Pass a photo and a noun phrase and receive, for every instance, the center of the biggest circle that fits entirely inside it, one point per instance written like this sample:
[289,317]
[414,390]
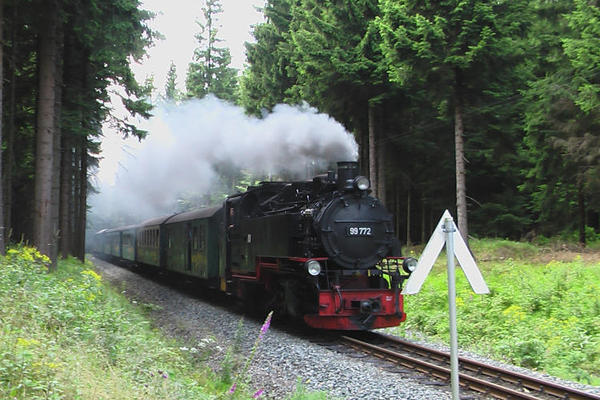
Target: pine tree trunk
[408,212]
[363,148]
[581,208]
[66,193]
[82,217]
[397,210]
[10,133]
[73,81]
[2,228]
[381,172]
[461,186]
[75,213]
[42,222]
[423,220]
[57,143]
[372,151]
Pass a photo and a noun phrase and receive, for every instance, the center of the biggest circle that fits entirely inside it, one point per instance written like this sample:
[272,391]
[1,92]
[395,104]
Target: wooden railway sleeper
[441,372]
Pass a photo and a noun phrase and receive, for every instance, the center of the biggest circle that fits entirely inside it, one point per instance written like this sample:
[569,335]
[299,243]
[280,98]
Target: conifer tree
[270,73]
[454,49]
[562,117]
[2,227]
[338,62]
[63,58]
[171,91]
[582,49]
[210,71]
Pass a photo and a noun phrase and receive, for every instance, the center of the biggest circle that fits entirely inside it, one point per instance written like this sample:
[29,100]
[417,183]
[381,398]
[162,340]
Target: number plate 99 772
[359,231]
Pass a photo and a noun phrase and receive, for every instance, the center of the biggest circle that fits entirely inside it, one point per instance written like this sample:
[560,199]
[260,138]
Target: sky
[176,21]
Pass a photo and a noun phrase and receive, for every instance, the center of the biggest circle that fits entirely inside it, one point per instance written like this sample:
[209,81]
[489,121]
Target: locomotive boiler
[322,250]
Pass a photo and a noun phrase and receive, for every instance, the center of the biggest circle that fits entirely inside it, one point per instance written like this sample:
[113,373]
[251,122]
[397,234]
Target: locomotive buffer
[447,232]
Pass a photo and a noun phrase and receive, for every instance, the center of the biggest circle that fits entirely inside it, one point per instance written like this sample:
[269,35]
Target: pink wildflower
[266,325]
[232,388]
[258,394]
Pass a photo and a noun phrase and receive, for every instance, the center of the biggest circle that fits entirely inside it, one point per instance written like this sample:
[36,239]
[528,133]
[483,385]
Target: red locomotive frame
[337,308]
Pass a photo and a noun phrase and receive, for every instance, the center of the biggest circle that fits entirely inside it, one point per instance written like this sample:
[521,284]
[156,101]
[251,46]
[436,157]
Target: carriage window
[195,241]
[201,239]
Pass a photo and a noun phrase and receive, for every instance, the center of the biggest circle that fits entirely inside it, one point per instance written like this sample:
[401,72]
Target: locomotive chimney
[346,172]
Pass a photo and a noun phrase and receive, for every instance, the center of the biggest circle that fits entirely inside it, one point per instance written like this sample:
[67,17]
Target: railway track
[483,378]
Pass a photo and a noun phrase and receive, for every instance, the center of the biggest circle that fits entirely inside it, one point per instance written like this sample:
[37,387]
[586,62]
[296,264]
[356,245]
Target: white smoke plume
[186,142]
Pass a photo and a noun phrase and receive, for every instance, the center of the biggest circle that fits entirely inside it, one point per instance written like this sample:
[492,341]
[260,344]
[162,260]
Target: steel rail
[483,378]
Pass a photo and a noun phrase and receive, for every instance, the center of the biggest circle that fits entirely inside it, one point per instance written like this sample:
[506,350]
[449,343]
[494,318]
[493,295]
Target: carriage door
[188,247]
[233,235]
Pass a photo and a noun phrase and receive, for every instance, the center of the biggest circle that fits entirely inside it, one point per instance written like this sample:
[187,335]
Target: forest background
[489,108]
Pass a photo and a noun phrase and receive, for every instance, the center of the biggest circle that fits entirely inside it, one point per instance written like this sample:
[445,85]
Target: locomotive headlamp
[313,267]
[409,265]
[361,183]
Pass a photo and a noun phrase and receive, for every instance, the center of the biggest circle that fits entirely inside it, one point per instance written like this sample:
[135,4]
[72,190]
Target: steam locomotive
[321,250]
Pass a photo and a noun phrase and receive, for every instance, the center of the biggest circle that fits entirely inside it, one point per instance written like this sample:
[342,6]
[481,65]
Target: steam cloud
[187,142]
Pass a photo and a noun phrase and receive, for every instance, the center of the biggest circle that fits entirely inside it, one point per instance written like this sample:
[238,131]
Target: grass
[543,311]
[67,335]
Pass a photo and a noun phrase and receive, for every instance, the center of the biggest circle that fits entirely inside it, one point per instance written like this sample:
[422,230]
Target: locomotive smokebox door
[355,231]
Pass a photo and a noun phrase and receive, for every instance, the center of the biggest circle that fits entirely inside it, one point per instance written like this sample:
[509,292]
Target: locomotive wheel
[256,300]
[272,301]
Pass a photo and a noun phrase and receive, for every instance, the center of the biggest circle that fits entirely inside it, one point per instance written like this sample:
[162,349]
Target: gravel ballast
[282,359]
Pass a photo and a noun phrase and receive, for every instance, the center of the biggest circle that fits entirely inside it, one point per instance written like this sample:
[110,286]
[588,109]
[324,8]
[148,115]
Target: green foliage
[502,249]
[106,36]
[171,92]
[337,58]
[302,394]
[270,73]
[572,237]
[541,315]
[582,49]
[44,317]
[561,123]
